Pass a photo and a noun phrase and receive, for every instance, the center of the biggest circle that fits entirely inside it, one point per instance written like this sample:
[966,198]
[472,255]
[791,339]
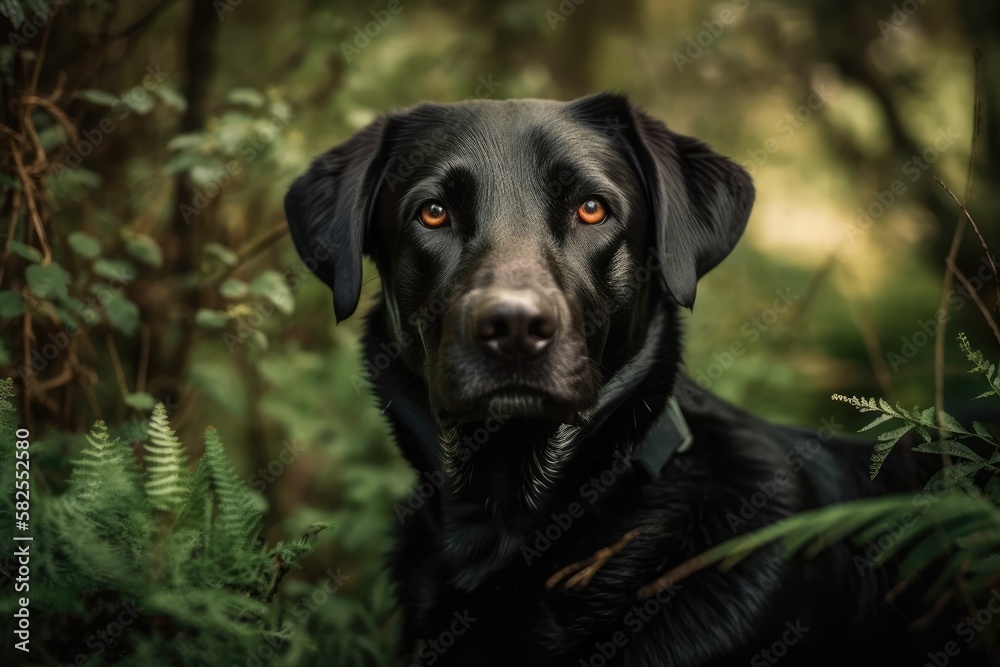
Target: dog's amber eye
[433,214]
[592,211]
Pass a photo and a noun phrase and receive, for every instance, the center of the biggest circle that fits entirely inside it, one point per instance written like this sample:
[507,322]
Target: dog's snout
[513,324]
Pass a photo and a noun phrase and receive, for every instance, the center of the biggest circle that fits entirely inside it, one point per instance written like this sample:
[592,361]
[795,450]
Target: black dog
[533,257]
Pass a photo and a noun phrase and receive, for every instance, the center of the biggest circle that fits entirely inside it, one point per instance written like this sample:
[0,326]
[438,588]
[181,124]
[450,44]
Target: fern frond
[106,462]
[952,520]
[886,441]
[924,423]
[167,480]
[981,366]
[237,520]
[950,447]
[106,488]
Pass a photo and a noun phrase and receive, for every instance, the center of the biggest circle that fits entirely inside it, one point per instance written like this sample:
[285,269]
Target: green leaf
[171,97]
[258,340]
[895,434]
[246,96]
[25,251]
[954,476]
[139,101]
[233,288]
[182,141]
[878,420]
[205,175]
[115,269]
[84,245]
[182,162]
[122,313]
[65,181]
[49,281]
[886,441]
[13,10]
[982,431]
[222,253]
[53,137]
[140,401]
[11,304]
[210,319]
[271,285]
[145,249]
[950,447]
[951,424]
[99,97]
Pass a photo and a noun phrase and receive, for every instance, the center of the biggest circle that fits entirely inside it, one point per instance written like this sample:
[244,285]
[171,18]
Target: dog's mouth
[513,402]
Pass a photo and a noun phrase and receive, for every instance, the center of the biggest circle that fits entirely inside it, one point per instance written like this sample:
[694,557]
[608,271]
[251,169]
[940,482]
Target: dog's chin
[515,404]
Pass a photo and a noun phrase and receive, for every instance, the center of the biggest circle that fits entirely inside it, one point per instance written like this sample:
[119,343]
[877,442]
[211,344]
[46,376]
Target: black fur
[483,431]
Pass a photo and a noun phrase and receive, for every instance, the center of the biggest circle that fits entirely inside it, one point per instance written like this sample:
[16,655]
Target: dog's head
[521,244]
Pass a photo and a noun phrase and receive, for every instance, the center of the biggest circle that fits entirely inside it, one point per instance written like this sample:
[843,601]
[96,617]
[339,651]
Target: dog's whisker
[631,391]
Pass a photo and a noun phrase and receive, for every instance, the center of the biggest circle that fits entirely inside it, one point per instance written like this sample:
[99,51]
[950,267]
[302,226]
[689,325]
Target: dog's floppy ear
[701,203]
[700,200]
[329,210]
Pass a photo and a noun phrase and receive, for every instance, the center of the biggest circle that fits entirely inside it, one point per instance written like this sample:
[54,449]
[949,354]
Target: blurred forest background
[146,148]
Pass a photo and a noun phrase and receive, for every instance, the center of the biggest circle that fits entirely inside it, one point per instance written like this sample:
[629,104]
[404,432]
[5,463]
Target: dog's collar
[670,435]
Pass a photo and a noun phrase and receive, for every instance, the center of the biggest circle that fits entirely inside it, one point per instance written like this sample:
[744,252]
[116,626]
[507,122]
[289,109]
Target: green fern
[107,474]
[167,481]
[920,421]
[105,489]
[238,519]
[205,580]
[981,366]
[943,438]
[964,524]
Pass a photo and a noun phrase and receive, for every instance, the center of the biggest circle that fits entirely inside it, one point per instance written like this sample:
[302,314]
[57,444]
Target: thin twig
[58,114]
[975,298]
[975,228]
[116,362]
[36,217]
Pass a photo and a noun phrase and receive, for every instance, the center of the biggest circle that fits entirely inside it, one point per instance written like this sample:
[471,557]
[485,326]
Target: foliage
[183,567]
[944,437]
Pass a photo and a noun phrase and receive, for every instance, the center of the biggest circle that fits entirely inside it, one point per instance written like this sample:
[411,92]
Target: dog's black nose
[514,324]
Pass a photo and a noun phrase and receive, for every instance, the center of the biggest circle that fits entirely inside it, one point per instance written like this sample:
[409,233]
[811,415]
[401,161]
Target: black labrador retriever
[534,256]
